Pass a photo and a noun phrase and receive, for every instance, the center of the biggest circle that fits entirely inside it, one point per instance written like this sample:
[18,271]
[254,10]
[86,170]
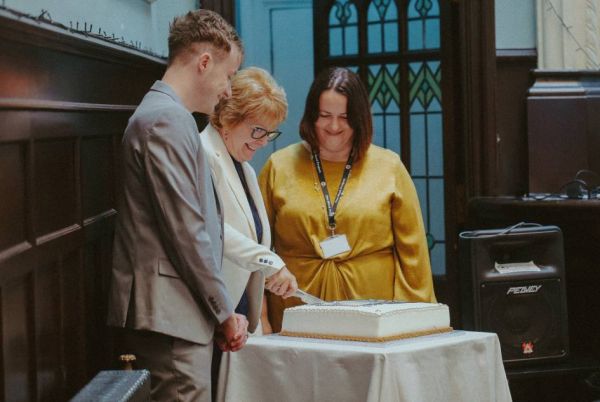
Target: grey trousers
[180,370]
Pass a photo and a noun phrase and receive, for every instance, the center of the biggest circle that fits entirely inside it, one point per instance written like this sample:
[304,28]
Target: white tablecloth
[455,366]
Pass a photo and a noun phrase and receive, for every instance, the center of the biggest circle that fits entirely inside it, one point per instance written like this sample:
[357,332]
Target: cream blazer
[246,263]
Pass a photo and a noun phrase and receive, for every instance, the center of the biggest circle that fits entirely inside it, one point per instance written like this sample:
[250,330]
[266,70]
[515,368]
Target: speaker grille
[527,316]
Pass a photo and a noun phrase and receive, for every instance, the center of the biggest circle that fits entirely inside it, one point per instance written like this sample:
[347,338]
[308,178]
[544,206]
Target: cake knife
[307,297]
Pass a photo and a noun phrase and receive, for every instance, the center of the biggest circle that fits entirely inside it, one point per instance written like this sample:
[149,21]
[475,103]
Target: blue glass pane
[332,18]
[435,9]
[391,36]
[353,14]
[432,33]
[436,208]
[372,14]
[378,133]
[435,144]
[392,12]
[335,41]
[412,11]
[374,37]
[421,187]
[351,40]
[415,35]
[393,107]
[416,107]
[376,107]
[354,69]
[434,106]
[417,145]
[438,259]
[392,133]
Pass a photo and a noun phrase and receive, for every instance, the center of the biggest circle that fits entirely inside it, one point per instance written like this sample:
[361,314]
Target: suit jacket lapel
[231,176]
[258,201]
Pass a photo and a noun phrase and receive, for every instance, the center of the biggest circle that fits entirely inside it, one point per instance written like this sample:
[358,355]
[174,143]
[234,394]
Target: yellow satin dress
[379,213]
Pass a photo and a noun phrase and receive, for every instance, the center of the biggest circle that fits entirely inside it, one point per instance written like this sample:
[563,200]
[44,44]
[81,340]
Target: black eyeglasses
[259,132]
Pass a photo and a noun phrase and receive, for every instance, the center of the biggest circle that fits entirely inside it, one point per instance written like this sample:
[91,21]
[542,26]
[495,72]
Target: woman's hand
[283,283]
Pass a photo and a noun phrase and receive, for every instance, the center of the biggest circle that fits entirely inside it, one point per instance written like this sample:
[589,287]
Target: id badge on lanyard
[335,244]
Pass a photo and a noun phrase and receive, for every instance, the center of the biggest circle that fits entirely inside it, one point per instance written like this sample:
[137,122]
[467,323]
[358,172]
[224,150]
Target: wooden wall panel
[55,187]
[64,103]
[73,323]
[17,340]
[47,332]
[98,171]
[513,80]
[12,181]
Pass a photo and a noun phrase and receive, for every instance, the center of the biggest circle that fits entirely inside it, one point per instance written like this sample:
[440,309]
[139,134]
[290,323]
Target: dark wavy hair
[350,85]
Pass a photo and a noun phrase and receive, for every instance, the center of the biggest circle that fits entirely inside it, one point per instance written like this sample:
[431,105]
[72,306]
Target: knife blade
[307,297]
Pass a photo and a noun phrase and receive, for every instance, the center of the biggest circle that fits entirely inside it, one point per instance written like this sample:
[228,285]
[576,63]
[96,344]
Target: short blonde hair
[254,94]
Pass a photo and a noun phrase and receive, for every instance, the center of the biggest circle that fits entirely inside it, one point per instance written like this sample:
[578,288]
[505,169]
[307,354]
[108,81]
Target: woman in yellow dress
[344,213]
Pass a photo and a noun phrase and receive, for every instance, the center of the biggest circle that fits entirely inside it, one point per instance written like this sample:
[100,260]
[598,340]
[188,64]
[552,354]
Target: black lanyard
[332,208]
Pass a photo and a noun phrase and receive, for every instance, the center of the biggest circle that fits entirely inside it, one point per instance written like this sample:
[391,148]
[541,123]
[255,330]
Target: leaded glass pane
[391,37]
[415,35]
[374,35]
[423,24]
[418,156]
[372,13]
[382,26]
[335,42]
[432,33]
[343,28]
[379,130]
[421,187]
[383,84]
[438,259]
[351,40]
[392,129]
[435,146]
[436,209]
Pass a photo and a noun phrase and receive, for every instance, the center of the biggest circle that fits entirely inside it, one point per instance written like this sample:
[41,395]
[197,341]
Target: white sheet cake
[366,320]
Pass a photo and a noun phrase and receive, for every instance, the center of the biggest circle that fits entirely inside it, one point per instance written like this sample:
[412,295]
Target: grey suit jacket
[245,261]
[169,236]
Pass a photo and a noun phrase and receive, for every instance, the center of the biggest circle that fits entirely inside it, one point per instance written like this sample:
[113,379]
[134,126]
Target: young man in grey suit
[166,284]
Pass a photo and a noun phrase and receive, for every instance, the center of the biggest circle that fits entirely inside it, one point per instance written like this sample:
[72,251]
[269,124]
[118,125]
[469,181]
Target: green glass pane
[424,83]
[383,85]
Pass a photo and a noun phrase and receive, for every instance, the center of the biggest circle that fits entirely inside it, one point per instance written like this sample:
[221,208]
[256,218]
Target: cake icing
[369,320]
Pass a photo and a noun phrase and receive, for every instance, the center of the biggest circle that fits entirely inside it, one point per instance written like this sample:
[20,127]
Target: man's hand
[283,283]
[232,334]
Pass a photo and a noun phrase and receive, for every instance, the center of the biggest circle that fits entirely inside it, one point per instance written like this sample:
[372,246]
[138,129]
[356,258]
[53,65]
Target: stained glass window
[384,94]
[404,82]
[343,28]
[423,24]
[426,150]
[382,26]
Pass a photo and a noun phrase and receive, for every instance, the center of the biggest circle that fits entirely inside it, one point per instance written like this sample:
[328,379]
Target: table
[454,366]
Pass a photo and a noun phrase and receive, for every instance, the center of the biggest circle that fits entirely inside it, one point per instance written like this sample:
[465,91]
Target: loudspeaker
[513,284]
